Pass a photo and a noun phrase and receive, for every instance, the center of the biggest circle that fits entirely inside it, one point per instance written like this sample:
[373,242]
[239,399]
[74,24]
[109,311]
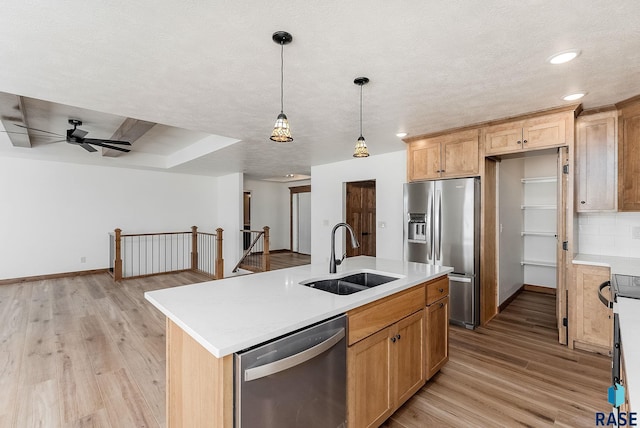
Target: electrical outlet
[382,224]
[83,259]
[635,232]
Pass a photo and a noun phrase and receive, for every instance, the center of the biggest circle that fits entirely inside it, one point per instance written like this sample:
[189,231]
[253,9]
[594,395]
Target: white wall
[270,207]
[608,234]
[229,215]
[55,213]
[327,202]
[511,273]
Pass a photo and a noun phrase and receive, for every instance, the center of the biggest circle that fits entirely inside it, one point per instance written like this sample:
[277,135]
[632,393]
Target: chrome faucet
[333,262]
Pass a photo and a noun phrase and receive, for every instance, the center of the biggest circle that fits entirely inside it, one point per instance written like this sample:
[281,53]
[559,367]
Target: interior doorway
[246,219]
[532,228]
[300,219]
[361,215]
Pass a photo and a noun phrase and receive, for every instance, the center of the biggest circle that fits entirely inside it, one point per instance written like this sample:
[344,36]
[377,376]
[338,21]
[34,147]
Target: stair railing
[256,257]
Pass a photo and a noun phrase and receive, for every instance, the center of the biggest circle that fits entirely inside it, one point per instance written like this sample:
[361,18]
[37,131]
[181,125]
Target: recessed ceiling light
[573,97]
[564,56]
[290,175]
[401,134]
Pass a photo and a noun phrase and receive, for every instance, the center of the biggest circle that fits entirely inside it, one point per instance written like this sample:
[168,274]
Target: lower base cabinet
[384,370]
[437,322]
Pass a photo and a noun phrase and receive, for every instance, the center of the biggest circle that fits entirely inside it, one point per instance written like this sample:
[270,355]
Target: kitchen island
[208,322]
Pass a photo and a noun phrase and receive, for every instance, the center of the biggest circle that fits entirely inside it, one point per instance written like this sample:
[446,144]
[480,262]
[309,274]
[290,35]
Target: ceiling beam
[130,130]
[12,113]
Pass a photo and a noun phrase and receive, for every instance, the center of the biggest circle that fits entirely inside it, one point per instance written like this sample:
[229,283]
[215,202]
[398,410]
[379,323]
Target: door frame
[292,191]
[371,183]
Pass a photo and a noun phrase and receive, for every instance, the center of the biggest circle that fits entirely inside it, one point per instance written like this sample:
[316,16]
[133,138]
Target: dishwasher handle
[293,360]
[603,299]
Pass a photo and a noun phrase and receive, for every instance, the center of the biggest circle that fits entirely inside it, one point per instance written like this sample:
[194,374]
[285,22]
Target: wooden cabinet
[590,321]
[445,156]
[384,370]
[437,326]
[596,162]
[553,130]
[629,156]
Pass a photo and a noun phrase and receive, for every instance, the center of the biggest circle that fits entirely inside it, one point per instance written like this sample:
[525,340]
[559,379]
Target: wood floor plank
[38,406]
[125,404]
[100,419]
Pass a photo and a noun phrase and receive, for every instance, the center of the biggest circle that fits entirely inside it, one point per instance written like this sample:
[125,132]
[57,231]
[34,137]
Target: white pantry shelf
[539,180]
[538,207]
[538,263]
[530,233]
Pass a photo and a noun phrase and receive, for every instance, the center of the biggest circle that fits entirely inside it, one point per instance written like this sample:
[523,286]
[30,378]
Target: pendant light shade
[361,150]
[281,131]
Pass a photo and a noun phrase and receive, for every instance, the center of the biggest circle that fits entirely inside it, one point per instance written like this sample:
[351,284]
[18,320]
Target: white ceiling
[209,72]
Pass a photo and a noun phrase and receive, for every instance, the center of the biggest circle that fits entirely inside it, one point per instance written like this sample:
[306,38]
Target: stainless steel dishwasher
[298,380]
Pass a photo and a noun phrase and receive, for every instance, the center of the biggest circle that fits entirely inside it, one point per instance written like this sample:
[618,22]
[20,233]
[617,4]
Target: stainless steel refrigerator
[442,227]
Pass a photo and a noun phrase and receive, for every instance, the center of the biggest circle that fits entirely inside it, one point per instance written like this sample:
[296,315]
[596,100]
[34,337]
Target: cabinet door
[460,155]
[504,138]
[409,356]
[369,382]
[423,160]
[437,334]
[596,163]
[629,159]
[593,320]
[545,131]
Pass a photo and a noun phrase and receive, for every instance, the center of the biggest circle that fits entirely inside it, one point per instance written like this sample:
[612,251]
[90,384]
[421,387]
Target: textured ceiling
[210,68]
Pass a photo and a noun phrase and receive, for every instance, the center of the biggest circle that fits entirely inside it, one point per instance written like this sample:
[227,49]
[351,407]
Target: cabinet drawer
[437,289]
[375,316]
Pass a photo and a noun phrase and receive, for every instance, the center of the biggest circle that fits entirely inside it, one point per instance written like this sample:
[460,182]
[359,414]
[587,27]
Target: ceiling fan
[77,136]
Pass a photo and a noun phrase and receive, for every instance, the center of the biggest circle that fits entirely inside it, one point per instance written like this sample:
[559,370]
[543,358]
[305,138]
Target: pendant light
[281,131]
[361,147]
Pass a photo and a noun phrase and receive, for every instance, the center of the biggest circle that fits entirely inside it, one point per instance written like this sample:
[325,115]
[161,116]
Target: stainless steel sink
[349,283]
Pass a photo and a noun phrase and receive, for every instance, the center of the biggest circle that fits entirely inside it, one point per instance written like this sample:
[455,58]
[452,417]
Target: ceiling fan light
[281,131]
[361,150]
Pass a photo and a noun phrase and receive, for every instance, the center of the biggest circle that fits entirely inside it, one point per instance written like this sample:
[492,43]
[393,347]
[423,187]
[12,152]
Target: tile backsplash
[609,234]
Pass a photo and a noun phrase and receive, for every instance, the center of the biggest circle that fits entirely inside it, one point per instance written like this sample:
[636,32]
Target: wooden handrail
[266,262]
[153,234]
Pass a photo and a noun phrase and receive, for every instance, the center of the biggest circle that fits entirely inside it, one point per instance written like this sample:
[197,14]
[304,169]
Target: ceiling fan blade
[78,133]
[39,130]
[95,140]
[107,146]
[87,147]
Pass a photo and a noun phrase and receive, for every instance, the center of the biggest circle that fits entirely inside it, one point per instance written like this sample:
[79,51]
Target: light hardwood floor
[86,352]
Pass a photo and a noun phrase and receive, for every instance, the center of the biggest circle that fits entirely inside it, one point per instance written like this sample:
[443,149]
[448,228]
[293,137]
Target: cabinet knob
[524,142]
[398,336]
[393,339]
[582,202]
[441,290]
[519,142]
[441,305]
[442,170]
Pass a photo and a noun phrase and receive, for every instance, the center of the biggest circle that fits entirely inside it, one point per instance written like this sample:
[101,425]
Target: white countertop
[618,265]
[226,316]
[629,315]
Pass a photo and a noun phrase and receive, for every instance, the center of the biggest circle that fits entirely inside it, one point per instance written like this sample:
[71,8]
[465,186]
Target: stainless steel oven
[298,380]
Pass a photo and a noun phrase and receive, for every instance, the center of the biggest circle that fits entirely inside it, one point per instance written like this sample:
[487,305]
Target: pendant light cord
[360,110]
[281,77]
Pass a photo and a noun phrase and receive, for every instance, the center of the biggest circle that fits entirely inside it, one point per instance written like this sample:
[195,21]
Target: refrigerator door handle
[429,238]
[438,246]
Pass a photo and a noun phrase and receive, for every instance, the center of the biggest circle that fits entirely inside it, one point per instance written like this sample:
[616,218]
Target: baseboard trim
[510,299]
[51,276]
[539,289]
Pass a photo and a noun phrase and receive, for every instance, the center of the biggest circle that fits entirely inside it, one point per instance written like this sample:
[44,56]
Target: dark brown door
[361,215]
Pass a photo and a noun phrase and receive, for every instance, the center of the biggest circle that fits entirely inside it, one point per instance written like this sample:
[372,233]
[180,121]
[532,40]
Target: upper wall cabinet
[629,155]
[444,156]
[596,162]
[553,130]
